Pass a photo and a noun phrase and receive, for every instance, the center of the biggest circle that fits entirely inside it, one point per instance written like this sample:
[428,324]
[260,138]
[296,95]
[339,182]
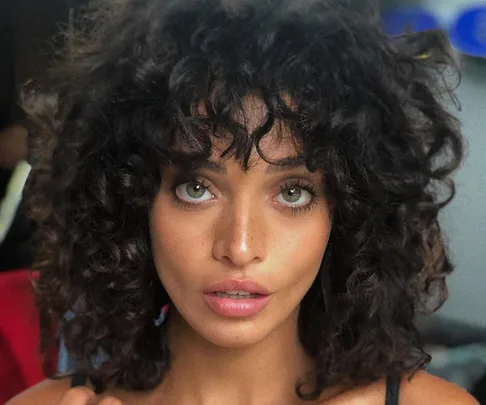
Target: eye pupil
[292,194]
[195,190]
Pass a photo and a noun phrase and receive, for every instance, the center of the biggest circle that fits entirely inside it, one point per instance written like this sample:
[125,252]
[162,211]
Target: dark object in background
[27,29]
[458,352]
[440,331]
[479,391]
[7,61]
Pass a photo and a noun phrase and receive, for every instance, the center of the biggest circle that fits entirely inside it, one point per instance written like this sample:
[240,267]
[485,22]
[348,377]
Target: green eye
[195,190]
[292,195]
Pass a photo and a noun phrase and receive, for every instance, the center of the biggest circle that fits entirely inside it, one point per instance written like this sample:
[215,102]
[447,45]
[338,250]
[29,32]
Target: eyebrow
[194,162]
[210,165]
[286,164]
[275,166]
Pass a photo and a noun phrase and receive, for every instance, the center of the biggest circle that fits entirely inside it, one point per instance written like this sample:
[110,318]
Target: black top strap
[392,390]
[81,380]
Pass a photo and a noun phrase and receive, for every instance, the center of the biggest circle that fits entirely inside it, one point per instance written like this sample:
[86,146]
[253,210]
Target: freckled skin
[243,231]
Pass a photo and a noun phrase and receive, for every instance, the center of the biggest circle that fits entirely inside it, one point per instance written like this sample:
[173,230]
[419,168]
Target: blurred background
[455,336]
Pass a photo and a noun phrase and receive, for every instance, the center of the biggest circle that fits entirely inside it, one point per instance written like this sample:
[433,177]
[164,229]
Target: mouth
[237,299]
[237,288]
[236,295]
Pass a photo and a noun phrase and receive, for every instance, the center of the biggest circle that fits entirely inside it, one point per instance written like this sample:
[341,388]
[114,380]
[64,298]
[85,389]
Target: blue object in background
[65,363]
[468,34]
[403,19]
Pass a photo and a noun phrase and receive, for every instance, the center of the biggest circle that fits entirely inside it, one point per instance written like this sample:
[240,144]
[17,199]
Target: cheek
[177,246]
[301,250]
[304,241]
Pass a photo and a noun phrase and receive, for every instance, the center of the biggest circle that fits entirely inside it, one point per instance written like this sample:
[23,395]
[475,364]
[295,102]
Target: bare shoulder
[425,389]
[422,389]
[48,392]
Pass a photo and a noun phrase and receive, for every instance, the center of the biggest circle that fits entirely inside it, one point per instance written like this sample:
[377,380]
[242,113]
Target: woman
[269,173]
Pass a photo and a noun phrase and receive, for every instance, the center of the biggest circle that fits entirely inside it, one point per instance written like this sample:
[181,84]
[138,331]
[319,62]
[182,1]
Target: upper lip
[238,285]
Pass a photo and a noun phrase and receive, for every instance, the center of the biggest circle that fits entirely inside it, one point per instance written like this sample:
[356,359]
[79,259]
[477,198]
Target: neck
[266,372]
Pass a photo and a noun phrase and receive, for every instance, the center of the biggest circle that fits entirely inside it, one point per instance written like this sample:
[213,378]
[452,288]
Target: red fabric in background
[20,360]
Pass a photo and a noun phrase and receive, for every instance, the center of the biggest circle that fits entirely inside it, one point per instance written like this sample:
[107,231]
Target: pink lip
[237,308]
[237,285]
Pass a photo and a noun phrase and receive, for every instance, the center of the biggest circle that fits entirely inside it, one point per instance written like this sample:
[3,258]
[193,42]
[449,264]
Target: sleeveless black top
[392,387]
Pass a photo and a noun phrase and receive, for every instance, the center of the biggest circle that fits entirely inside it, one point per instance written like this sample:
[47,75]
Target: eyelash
[288,184]
[189,206]
[304,186]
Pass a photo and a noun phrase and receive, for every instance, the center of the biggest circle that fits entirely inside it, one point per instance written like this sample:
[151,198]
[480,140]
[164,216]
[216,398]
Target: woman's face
[237,250]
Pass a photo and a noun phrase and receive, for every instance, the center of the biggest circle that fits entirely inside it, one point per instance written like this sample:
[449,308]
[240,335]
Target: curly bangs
[365,108]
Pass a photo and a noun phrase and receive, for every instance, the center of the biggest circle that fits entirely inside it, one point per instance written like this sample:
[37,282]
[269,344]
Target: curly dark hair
[366,109]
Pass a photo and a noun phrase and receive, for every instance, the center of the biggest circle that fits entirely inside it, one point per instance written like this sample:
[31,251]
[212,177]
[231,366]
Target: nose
[241,236]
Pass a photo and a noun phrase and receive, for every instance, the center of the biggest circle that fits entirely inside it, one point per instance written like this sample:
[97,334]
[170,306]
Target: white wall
[464,221]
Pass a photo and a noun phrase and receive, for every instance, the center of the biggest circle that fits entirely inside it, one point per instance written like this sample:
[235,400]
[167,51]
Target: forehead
[274,146]
[278,141]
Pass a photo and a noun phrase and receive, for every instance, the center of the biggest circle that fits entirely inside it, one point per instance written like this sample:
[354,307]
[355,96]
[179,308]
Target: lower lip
[236,308]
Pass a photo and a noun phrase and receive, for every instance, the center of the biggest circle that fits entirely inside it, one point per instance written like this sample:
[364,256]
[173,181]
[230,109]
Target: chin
[230,333]
[233,337]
